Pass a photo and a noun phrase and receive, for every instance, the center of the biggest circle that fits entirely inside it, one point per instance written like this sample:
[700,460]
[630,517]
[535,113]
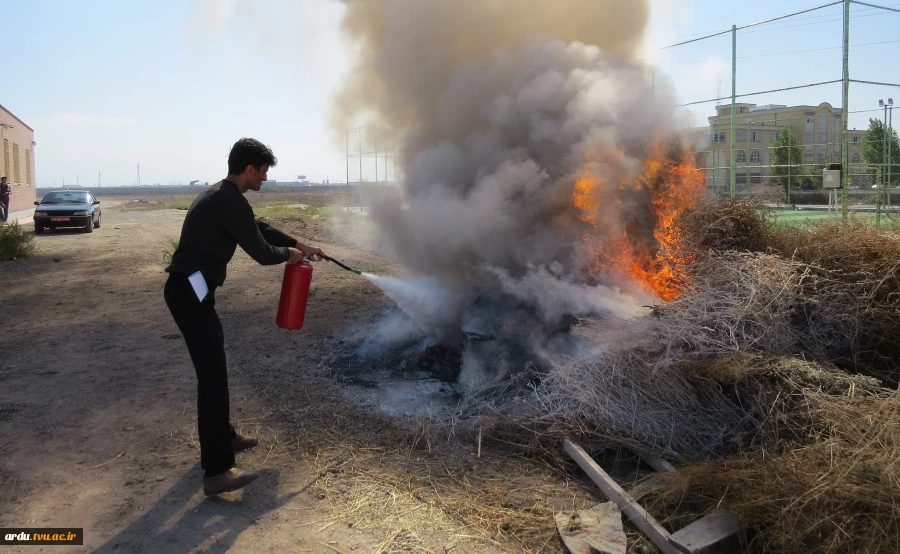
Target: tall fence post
[733,107]
[845,103]
[790,147]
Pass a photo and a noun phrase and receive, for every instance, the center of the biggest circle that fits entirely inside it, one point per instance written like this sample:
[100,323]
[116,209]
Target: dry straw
[745,379]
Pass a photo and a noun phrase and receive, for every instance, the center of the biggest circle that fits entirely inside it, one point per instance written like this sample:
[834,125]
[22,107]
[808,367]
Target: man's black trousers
[202,332]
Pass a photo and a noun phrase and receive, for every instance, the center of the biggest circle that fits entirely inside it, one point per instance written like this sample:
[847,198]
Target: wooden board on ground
[599,528]
[634,511]
[715,532]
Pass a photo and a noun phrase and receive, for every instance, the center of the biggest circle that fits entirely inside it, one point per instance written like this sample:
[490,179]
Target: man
[5,190]
[219,220]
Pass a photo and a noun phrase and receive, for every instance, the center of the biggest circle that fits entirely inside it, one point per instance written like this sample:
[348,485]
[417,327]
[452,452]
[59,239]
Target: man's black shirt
[220,219]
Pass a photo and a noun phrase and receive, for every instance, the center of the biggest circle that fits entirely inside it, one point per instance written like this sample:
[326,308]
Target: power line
[810,18]
[763,92]
[797,51]
[872,8]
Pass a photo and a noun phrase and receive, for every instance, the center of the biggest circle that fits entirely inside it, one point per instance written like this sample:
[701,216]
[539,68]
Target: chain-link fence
[779,101]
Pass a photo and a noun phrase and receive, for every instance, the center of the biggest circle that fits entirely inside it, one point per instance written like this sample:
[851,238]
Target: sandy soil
[98,417]
[98,413]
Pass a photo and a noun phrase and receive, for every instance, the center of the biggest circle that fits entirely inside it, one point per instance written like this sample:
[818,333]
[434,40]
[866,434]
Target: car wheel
[89,226]
[38,229]
[97,223]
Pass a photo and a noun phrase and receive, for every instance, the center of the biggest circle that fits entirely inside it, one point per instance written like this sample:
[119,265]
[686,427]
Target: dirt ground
[98,417]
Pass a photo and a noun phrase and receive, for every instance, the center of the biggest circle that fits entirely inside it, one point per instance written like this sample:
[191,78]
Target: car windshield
[65,198]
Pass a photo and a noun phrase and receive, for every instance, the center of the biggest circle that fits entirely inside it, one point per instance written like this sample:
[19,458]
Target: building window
[6,164]
[823,122]
[18,177]
[808,156]
[741,136]
[821,157]
[823,138]
[755,179]
[741,156]
[27,166]
[754,156]
[855,140]
[774,137]
[754,136]
[855,158]
[740,179]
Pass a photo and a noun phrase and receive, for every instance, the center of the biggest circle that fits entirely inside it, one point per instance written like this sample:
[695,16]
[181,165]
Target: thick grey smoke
[500,107]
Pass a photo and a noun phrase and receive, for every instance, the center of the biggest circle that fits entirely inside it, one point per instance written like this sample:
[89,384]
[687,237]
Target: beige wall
[23,188]
[820,144]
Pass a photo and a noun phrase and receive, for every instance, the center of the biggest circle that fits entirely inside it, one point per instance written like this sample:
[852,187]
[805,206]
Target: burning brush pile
[545,183]
[542,171]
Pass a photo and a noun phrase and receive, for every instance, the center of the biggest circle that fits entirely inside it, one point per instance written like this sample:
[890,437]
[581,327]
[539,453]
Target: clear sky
[171,84]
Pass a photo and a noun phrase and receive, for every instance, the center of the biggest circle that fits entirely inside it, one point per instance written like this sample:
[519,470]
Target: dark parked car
[67,208]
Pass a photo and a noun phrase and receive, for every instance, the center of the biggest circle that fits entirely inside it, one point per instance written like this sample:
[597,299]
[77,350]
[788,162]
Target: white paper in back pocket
[199,284]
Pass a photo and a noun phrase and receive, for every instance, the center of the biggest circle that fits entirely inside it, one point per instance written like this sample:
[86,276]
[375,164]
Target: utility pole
[99,182]
[139,174]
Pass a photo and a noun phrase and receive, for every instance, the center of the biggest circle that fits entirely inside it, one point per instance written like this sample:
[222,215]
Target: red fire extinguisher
[294,293]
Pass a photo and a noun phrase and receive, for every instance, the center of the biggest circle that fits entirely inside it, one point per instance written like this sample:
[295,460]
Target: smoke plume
[500,108]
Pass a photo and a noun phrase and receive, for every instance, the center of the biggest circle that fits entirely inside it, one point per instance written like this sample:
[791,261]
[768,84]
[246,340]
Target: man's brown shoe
[239,443]
[231,480]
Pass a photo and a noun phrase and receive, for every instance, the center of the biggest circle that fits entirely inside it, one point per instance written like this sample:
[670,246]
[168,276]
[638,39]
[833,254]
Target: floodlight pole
[890,132]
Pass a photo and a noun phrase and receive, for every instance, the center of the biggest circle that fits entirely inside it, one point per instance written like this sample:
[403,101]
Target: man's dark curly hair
[248,151]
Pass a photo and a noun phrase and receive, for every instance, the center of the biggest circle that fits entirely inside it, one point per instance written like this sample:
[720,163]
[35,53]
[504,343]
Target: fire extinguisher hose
[348,268]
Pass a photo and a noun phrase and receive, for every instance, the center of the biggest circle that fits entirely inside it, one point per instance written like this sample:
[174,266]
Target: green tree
[873,150]
[786,159]
[813,174]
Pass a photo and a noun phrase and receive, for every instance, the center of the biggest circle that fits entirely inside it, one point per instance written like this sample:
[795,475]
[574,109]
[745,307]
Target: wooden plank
[716,532]
[658,464]
[634,511]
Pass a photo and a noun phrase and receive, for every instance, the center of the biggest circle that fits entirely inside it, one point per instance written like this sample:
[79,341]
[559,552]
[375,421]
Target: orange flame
[623,242]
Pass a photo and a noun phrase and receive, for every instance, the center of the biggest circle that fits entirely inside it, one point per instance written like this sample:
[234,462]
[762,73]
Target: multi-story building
[817,128]
[17,163]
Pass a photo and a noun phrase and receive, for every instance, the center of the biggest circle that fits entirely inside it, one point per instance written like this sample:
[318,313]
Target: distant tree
[786,159]
[873,147]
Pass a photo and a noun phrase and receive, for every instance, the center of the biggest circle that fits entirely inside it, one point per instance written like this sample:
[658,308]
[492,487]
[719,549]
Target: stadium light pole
[890,146]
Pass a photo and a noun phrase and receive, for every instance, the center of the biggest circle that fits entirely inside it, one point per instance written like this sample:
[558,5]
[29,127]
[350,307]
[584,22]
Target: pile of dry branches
[834,490]
[852,307]
[772,364]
